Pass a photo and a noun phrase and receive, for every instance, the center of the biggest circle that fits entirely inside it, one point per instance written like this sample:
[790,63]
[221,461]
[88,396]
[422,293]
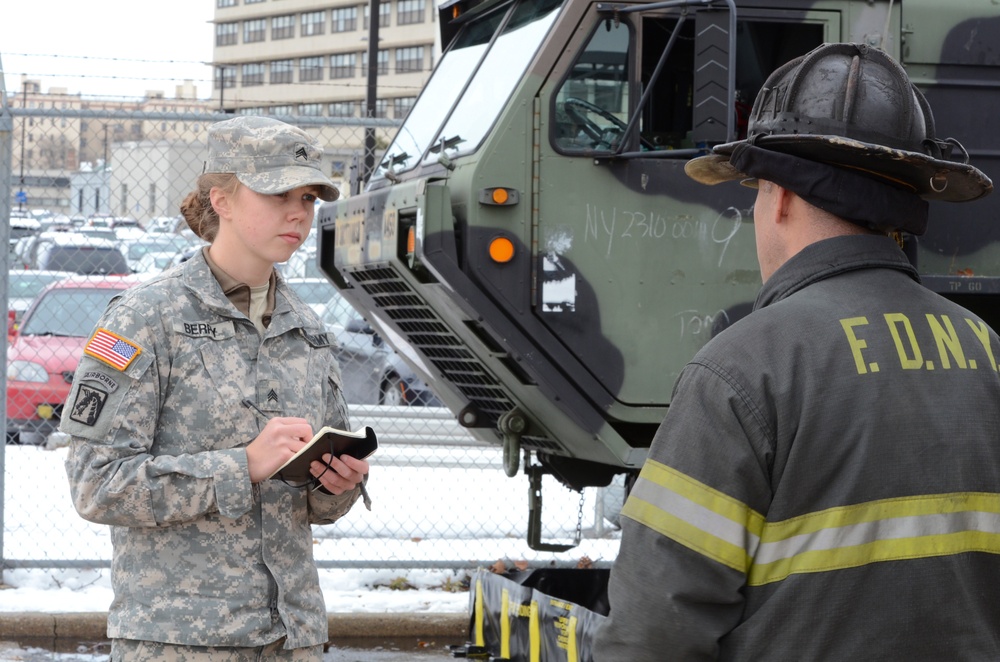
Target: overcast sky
[107,47]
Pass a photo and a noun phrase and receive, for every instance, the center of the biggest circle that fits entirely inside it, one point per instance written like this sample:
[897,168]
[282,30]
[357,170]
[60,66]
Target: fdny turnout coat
[201,556]
[826,483]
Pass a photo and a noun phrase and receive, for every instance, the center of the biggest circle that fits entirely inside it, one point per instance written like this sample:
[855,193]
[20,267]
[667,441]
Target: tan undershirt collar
[238,293]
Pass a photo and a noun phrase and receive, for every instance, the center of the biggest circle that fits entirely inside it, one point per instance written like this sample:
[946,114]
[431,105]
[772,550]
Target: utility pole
[24,121]
[371,96]
[222,87]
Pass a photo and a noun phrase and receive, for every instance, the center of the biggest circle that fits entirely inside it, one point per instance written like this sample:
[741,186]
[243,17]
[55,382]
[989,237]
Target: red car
[46,348]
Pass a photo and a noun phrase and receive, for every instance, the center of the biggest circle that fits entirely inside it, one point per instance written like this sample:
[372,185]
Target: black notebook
[360,444]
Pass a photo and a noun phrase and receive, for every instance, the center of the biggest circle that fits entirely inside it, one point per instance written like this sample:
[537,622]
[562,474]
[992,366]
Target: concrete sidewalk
[91,626]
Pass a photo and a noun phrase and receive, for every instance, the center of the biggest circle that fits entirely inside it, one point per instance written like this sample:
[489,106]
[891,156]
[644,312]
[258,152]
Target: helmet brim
[930,178]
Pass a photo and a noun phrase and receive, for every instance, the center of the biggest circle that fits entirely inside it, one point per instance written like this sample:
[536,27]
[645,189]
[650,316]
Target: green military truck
[529,241]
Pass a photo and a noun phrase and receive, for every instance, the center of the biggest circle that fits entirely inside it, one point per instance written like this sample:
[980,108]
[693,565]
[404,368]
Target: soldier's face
[273,226]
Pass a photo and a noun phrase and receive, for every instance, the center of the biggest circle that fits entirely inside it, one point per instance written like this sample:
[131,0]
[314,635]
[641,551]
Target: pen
[249,404]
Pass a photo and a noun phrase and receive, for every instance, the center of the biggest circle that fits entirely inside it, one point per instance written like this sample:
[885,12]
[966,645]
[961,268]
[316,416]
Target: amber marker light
[411,240]
[499,196]
[501,250]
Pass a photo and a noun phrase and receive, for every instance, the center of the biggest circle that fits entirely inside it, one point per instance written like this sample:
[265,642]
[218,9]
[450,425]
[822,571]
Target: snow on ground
[438,513]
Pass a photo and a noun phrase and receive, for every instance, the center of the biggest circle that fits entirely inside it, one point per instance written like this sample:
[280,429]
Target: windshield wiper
[394,160]
[446,143]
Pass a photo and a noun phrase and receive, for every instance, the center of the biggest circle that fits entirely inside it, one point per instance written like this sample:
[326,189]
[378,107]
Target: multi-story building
[275,57]
[310,57]
[68,134]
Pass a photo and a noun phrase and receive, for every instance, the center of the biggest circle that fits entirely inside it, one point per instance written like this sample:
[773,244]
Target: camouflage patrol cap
[267,156]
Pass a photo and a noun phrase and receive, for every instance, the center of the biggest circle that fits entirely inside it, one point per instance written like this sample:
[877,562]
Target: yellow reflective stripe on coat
[695,515]
[725,530]
[887,530]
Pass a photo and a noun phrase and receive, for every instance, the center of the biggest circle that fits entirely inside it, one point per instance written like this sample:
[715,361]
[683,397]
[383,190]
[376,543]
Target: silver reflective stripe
[879,530]
[696,515]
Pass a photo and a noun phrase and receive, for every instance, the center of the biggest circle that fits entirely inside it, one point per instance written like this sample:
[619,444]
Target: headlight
[26,371]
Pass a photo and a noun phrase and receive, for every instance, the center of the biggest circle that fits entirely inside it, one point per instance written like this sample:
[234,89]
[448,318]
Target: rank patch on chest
[88,405]
[114,350]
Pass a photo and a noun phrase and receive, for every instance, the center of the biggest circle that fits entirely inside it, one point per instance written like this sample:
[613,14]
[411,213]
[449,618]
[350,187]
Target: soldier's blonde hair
[197,206]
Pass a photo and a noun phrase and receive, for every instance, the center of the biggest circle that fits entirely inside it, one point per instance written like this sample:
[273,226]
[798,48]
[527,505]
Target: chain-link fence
[92,196]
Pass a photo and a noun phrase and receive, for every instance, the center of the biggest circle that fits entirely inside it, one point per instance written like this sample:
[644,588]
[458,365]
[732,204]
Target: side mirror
[11,323]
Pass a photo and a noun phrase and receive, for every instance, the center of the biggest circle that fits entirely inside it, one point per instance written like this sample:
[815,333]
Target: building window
[225,77]
[313,109]
[384,11]
[344,19]
[152,198]
[253,74]
[381,107]
[123,203]
[343,109]
[383,62]
[409,11]
[283,27]
[401,106]
[252,2]
[409,59]
[310,68]
[342,65]
[255,30]
[226,34]
[313,23]
[281,110]
[225,3]
[282,72]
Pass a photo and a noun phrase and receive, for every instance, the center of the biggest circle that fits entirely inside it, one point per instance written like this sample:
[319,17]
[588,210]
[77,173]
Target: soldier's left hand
[344,474]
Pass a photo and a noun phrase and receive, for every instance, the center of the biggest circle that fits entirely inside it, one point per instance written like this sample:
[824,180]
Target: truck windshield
[486,73]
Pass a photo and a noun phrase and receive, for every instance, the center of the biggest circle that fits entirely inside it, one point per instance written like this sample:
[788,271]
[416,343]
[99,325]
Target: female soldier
[211,561]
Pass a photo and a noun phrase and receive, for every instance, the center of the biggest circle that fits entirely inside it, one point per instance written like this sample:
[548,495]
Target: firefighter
[826,484]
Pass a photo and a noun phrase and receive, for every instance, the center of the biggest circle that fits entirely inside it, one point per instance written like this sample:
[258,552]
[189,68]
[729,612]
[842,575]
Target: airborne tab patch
[101,377]
[112,349]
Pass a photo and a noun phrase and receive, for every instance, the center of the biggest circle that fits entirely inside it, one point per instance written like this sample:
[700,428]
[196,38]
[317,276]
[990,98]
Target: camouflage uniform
[201,556]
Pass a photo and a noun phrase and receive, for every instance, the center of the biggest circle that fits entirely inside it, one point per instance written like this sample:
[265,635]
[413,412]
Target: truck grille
[426,333]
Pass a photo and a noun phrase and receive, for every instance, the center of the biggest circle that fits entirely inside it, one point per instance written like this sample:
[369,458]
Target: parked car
[46,349]
[372,372]
[153,263]
[71,251]
[166,224]
[22,225]
[160,242]
[23,285]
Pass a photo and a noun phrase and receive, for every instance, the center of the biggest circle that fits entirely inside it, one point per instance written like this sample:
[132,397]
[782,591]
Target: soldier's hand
[344,473]
[281,438]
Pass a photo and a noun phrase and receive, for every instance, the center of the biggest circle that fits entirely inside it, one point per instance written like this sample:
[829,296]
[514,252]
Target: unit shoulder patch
[88,405]
[112,349]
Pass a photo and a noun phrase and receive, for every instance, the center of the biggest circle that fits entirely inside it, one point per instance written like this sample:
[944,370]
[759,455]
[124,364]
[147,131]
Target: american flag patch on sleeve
[112,349]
